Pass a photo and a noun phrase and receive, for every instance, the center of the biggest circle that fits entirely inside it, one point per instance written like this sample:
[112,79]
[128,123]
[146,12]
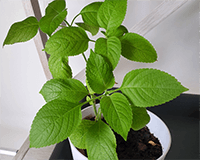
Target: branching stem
[67,23]
[94,98]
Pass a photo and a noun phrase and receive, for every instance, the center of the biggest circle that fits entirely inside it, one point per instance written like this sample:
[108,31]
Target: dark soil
[141,145]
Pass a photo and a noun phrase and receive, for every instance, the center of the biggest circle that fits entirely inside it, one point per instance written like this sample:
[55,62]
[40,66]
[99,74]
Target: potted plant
[61,116]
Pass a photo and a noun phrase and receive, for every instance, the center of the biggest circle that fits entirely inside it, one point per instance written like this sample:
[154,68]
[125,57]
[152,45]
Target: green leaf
[140,118]
[111,14]
[89,13]
[88,87]
[56,6]
[54,122]
[137,48]
[110,49]
[22,31]
[98,73]
[117,113]
[59,67]
[150,87]
[49,23]
[88,99]
[68,41]
[79,135]
[101,142]
[92,29]
[70,89]
[119,32]
[55,14]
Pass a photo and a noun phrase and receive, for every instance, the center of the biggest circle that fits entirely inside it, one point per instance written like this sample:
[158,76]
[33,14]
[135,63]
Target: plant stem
[112,91]
[74,19]
[95,98]
[99,114]
[99,97]
[84,57]
[92,40]
[67,23]
[94,106]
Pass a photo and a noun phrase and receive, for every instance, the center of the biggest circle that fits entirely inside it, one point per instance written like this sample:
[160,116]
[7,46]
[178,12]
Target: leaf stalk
[75,18]
[84,57]
[94,106]
[67,23]
[92,40]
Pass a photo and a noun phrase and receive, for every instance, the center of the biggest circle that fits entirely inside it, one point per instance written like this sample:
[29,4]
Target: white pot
[156,126]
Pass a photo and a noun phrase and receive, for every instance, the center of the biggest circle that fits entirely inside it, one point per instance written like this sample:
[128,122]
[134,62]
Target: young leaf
[55,13]
[59,67]
[117,113]
[49,23]
[54,122]
[110,49]
[79,135]
[22,31]
[88,99]
[56,6]
[119,32]
[111,14]
[150,87]
[98,73]
[88,87]
[137,48]
[68,41]
[89,13]
[70,89]
[101,142]
[92,29]
[140,118]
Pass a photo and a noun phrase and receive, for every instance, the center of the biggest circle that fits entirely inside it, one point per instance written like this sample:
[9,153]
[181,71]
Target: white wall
[21,79]
[176,41]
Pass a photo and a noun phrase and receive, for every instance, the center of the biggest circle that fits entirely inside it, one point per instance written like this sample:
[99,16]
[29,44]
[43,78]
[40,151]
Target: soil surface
[141,145]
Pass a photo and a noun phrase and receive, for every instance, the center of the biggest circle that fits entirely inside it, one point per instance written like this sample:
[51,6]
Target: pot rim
[170,139]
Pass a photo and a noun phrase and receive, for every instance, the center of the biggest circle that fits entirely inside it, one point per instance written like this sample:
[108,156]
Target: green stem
[99,114]
[99,97]
[93,99]
[67,23]
[112,91]
[84,57]
[92,40]
[94,106]
[74,19]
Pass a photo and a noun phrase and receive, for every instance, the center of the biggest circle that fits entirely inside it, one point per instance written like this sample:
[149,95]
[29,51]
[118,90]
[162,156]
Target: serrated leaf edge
[32,146]
[184,89]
